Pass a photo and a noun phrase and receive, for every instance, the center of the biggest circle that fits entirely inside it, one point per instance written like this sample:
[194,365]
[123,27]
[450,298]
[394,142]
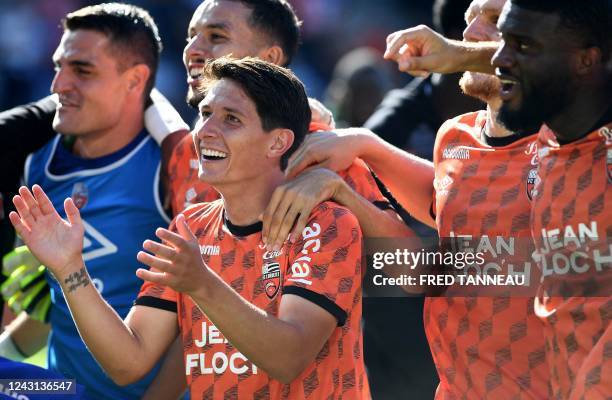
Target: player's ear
[273,54]
[587,59]
[281,141]
[137,77]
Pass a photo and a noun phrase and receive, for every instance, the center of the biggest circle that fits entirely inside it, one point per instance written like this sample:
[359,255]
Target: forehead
[477,7]
[228,94]
[519,21]
[83,44]
[232,14]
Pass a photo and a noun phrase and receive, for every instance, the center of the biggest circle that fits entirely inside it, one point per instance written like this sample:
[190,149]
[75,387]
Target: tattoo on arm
[77,280]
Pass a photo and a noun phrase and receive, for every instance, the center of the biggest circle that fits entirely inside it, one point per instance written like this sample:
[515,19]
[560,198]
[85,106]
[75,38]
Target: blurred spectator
[360,81]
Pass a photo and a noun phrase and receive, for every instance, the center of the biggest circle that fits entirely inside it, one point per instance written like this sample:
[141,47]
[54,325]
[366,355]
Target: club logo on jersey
[606,133]
[80,195]
[532,182]
[609,165]
[270,275]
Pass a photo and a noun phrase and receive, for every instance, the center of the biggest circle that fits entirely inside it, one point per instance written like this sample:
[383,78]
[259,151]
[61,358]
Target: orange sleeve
[325,264]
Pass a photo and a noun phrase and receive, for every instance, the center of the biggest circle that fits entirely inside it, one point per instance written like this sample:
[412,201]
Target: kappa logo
[456,153]
[80,195]
[270,275]
[533,180]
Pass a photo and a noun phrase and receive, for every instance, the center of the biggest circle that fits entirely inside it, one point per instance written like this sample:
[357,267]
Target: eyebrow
[226,109]
[76,63]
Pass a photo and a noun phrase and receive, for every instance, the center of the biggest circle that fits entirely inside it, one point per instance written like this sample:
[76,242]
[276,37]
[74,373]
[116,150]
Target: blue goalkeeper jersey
[119,199]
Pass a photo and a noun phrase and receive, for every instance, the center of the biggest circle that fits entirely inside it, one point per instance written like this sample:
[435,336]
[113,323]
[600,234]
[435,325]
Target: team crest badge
[532,181]
[80,195]
[609,165]
[606,133]
[270,276]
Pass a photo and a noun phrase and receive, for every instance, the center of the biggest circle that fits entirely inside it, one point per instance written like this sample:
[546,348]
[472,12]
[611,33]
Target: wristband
[161,119]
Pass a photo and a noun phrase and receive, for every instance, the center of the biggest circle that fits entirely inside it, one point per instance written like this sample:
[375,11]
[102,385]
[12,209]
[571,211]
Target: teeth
[507,81]
[195,73]
[213,153]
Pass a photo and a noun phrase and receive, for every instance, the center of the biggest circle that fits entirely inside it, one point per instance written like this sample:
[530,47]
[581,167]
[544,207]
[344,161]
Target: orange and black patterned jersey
[186,189]
[324,267]
[485,347]
[572,228]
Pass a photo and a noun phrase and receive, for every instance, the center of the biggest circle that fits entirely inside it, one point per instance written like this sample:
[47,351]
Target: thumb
[183,229]
[72,212]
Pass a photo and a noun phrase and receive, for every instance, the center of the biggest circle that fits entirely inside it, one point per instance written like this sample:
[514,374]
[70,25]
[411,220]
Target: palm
[54,241]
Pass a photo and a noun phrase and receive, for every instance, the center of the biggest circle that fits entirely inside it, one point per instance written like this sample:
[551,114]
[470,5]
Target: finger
[43,201]
[154,262]
[72,212]
[21,229]
[266,219]
[298,163]
[31,202]
[278,218]
[23,210]
[183,229]
[156,277]
[300,224]
[395,44]
[160,250]
[286,225]
[174,239]
[424,64]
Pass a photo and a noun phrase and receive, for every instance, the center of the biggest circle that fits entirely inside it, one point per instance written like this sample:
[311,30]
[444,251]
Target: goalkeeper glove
[25,288]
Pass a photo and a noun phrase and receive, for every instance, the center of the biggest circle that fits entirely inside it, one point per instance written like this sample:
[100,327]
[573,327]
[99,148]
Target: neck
[99,144]
[494,128]
[579,118]
[243,209]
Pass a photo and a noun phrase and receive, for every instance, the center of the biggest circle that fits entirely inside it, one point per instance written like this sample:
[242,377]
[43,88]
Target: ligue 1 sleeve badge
[80,195]
[270,276]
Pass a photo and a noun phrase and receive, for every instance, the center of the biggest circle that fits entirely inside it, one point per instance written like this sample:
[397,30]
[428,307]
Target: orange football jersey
[323,266]
[572,226]
[186,189]
[485,347]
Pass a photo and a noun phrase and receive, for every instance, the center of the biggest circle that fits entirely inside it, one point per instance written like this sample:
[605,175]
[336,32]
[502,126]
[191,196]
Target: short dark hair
[279,96]
[590,20]
[449,17]
[130,29]
[277,19]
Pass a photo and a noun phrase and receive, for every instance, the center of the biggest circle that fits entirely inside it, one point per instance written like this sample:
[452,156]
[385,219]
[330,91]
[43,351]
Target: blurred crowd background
[30,32]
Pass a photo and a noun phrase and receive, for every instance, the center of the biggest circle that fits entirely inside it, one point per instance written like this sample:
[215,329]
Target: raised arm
[420,51]
[408,177]
[125,350]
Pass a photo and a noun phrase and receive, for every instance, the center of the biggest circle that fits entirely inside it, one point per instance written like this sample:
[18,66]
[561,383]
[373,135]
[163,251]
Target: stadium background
[29,33]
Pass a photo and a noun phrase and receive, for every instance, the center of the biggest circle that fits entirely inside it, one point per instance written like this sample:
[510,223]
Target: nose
[61,81]
[503,57]
[206,128]
[197,48]
[480,30]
